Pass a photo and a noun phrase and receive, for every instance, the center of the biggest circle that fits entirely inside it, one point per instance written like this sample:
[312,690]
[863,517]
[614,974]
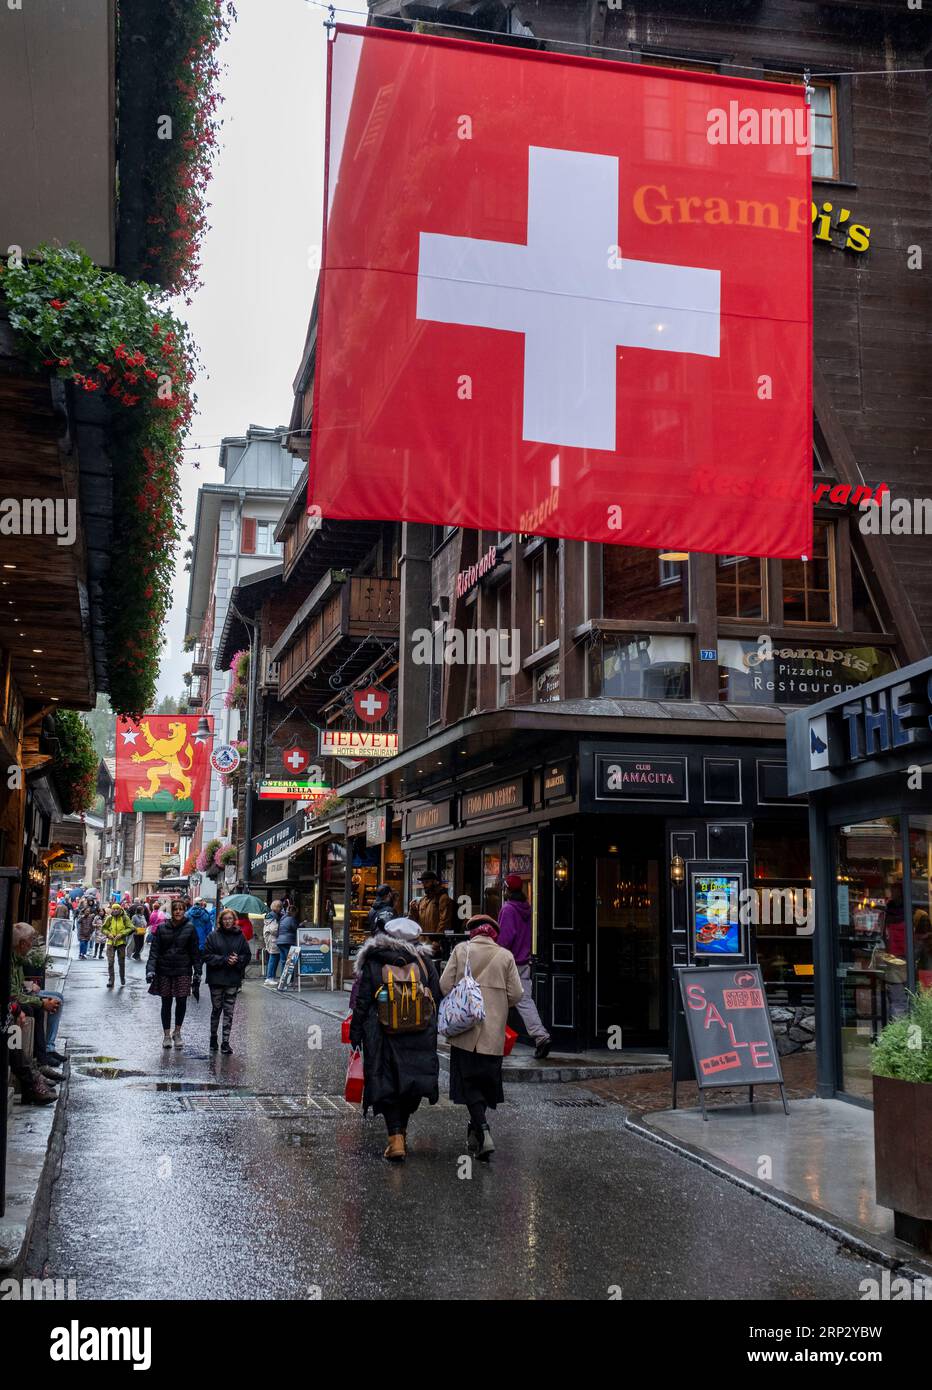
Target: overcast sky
[250,317]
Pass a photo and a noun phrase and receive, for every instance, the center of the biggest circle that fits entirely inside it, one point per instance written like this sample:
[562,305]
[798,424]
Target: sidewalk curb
[860,1242]
[568,1075]
[14,1268]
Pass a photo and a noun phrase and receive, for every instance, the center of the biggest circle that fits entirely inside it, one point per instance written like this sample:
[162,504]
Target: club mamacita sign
[533,318]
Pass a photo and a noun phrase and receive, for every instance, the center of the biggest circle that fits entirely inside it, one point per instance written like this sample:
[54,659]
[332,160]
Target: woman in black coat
[173,967]
[400,1069]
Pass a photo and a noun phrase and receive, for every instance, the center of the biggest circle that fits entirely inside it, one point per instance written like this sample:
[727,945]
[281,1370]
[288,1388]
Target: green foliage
[108,336]
[904,1049]
[76,765]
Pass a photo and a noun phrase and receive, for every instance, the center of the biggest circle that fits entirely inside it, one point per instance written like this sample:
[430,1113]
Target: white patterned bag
[463,1007]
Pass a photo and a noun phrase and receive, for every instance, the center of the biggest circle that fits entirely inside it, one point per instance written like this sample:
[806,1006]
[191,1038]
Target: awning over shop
[277,870]
[485,738]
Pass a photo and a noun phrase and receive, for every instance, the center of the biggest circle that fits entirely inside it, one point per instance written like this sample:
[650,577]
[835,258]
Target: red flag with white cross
[370,704]
[564,296]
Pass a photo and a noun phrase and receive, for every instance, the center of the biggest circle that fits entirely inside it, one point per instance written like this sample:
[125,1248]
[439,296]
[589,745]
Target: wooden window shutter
[247,543]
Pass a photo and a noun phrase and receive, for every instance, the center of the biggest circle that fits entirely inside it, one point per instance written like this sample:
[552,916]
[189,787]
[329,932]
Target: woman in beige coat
[476,1055]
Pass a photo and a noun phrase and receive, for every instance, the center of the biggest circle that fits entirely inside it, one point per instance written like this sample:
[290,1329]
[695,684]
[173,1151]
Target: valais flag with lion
[556,299]
[163,763]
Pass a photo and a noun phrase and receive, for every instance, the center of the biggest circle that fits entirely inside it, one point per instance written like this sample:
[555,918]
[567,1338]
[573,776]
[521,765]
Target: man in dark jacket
[382,910]
[401,1069]
[287,932]
[514,933]
[226,955]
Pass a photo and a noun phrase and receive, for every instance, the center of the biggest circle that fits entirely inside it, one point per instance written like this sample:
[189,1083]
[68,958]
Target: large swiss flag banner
[563,296]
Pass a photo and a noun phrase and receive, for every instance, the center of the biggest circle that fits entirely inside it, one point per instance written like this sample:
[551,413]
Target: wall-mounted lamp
[678,870]
[561,871]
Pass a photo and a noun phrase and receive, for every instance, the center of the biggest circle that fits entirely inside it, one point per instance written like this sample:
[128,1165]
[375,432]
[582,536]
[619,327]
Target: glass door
[628,950]
[870,934]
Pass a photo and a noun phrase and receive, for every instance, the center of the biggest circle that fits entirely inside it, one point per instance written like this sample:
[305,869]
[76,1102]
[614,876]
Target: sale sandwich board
[730,1033]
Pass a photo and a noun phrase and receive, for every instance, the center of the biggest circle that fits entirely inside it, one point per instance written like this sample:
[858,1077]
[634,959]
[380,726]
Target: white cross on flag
[295,760]
[370,704]
[551,302]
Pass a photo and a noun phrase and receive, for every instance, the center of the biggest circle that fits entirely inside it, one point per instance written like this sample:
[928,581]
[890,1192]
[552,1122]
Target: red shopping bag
[352,1091]
[344,1028]
[511,1038]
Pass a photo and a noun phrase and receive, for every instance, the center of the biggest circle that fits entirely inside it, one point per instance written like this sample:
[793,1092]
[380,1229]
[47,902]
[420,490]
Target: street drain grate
[579,1104]
[269,1106]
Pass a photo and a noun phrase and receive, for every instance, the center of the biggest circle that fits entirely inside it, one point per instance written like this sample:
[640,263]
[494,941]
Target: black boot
[488,1148]
[213,1042]
[225,1046]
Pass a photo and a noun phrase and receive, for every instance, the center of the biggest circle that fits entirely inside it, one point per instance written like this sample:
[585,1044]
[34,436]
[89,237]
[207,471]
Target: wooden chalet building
[642,729]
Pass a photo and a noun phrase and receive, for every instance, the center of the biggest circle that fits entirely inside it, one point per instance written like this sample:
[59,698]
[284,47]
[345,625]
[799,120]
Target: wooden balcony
[344,619]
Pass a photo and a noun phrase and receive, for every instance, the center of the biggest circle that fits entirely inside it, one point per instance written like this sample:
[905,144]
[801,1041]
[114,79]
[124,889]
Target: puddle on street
[108,1073]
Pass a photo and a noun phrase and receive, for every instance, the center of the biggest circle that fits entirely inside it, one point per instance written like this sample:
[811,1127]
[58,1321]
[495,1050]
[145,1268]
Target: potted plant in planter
[901,1062]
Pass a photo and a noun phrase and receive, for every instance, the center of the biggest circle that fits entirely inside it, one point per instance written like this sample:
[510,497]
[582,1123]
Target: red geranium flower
[58,303]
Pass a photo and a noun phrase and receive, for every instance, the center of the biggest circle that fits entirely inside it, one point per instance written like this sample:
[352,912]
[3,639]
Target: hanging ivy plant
[75,767]
[109,336]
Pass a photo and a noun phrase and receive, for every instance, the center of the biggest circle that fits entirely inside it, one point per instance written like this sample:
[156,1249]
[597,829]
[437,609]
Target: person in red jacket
[514,933]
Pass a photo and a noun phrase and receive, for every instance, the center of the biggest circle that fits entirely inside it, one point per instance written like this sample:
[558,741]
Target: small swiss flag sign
[557,297]
[370,704]
[295,761]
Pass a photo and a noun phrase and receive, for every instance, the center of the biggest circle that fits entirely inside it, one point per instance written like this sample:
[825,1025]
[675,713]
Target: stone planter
[903,1155]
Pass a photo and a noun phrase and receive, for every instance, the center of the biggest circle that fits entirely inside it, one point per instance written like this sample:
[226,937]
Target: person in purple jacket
[514,933]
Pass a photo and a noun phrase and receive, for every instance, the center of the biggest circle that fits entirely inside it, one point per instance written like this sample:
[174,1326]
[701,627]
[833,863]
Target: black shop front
[606,818]
[865,761]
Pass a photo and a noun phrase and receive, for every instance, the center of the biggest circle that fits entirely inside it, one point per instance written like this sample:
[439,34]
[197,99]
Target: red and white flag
[564,296]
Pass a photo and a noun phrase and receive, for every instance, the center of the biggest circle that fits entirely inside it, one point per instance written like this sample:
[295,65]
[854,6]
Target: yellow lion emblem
[170,766]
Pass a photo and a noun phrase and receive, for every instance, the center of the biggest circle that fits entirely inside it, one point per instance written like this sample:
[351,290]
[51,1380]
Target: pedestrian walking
[514,934]
[400,1066]
[117,929]
[85,932]
[140,927]
[270,937]
[100,941]
[201,921]
[476,1055]
[287,934]
[382,910]
[226,955]
[173,969]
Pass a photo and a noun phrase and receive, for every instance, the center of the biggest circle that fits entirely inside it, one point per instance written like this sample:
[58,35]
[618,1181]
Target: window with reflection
[809,585]
[647,667]
[644,584]
[739,586]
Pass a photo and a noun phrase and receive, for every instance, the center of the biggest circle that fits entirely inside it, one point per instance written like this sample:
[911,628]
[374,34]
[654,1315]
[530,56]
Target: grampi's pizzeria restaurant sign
[357,743]
[640,779]
[492,801]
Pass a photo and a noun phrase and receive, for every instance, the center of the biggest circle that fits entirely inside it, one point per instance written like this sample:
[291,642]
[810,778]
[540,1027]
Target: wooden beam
[875,548]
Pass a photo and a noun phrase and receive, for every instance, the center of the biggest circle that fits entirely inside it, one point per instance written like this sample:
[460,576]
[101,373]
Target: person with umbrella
[173,969]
